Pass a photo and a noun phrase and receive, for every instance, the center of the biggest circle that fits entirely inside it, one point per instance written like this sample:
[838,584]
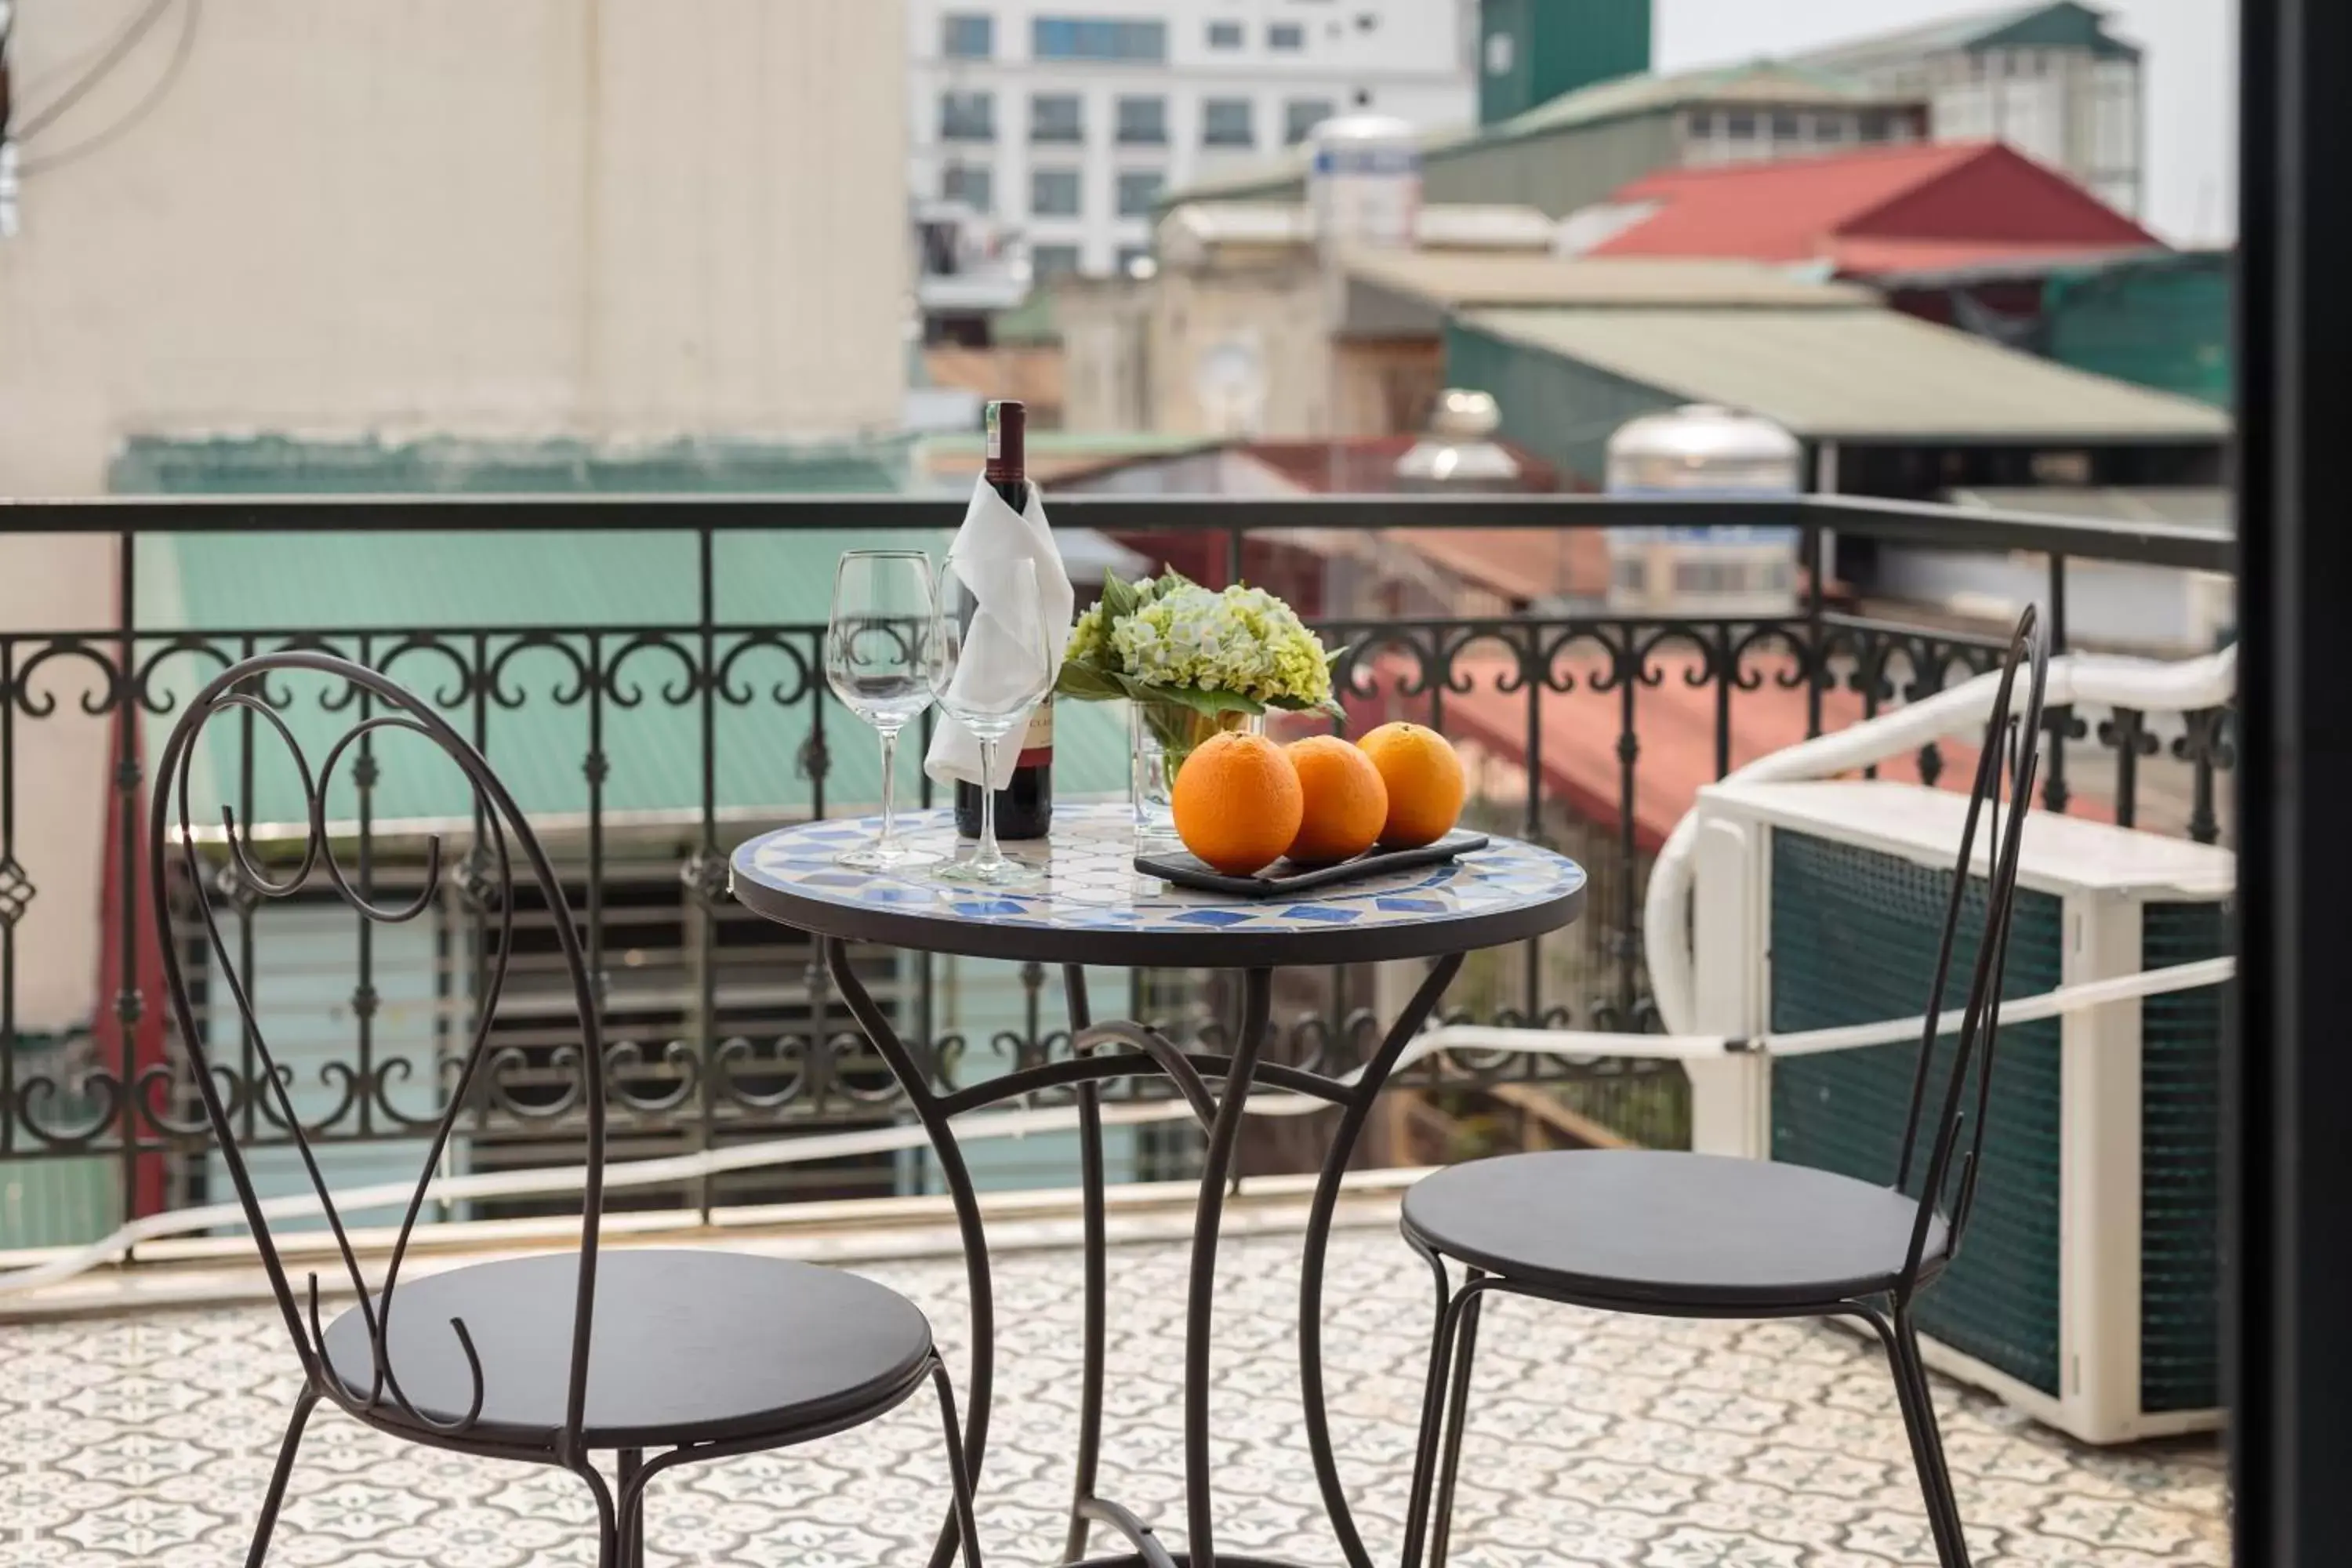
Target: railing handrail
[1918,522]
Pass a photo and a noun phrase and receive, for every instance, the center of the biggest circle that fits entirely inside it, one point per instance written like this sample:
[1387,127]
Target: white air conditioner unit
[2087,1288]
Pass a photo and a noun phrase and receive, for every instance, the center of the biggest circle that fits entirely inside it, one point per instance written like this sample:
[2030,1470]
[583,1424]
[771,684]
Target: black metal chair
[1699,1236]
[697,1354]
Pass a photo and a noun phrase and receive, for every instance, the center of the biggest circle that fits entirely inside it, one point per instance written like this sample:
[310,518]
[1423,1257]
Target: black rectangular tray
[1187,870]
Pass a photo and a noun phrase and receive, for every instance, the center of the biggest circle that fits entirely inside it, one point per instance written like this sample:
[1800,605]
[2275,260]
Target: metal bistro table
[1096,909]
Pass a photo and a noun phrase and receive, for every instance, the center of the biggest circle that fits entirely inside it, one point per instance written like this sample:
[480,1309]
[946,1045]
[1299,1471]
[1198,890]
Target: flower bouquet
[1193,661]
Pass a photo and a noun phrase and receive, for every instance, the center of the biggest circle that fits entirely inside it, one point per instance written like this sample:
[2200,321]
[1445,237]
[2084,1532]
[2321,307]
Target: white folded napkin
[993,529]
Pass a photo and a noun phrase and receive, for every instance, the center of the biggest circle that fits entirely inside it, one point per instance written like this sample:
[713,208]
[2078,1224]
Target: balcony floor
[1593,1440]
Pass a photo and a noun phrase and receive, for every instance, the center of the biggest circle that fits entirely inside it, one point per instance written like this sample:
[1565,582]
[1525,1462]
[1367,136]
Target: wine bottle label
[995,433]
[1037,740]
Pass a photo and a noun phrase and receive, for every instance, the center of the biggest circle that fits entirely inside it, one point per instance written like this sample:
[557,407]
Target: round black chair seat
[688,1347]
[1667,1230]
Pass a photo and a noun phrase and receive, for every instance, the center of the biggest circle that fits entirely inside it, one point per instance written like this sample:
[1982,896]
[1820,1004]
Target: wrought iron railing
[724,1027]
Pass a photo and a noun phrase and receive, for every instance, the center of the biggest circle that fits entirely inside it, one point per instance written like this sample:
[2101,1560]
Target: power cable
[139,112]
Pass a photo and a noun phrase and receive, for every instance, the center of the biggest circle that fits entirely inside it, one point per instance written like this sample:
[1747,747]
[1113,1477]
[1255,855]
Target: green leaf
[1191,697]
[1119,600]
[1330,705]
[1087,684]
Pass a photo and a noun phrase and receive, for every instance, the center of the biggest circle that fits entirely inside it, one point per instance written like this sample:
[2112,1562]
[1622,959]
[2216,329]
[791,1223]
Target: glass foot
[989,874]
[880,857]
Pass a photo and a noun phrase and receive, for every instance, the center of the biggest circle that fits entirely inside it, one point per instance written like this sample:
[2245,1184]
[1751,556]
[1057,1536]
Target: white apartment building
[1065,119]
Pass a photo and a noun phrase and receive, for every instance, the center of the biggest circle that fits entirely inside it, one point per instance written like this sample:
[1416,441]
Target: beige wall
[595,217]
[614,219]
[1135,354]
[1276,315]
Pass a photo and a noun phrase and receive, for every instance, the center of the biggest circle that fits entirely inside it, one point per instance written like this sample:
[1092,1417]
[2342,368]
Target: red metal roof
[1888,207]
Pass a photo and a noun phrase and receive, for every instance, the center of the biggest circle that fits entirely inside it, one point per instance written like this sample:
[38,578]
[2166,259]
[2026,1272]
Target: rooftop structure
[1888,210]
[2053,80]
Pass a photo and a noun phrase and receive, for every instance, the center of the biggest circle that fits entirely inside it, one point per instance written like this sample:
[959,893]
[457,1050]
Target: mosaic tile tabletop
[1594,1442]
[1092,885]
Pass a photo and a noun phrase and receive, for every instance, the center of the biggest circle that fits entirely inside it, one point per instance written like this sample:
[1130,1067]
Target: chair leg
[608,1526]
[276,1497]
[1917,1400]
[633,1508]
[1457,1411]
[1433,1404]
[958,1473]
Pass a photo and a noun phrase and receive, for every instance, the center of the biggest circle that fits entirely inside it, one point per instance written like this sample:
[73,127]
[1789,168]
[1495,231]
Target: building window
[1302,115]
[967,37]
[1829,130]
[1057,116]
[1142,121]
[1089,38]
[1053,260]
[1052,193]
[1228,123]
[1285,36]
[1877,125]
[1224,34]
[974,185]
[968,116]
[1739,125]
[1787,127]
[1138,189]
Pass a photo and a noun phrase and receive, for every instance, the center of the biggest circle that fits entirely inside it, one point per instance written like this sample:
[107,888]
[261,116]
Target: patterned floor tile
[1594,1442]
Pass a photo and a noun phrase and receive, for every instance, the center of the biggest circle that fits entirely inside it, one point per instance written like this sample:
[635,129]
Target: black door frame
[2290,1235]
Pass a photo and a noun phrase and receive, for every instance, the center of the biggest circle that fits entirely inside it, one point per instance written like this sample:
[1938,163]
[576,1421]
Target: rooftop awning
[1857,374]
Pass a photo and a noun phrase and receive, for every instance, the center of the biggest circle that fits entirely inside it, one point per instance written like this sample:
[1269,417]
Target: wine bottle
[1024,807]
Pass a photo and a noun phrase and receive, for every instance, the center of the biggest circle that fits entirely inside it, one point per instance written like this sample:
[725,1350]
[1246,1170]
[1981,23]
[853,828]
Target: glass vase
[1162,735]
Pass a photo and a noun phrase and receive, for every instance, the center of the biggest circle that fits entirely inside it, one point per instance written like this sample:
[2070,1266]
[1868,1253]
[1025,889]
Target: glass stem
[888,840]
[989,855]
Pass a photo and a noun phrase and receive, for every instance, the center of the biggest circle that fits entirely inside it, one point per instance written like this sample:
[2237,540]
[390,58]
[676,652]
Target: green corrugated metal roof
[348,585]
[589,580]
[1856,374]
[282,465]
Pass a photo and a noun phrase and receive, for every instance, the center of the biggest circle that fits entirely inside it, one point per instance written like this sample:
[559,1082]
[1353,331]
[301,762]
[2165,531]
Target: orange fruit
[1424,781]
[1346,804]
[1237,801]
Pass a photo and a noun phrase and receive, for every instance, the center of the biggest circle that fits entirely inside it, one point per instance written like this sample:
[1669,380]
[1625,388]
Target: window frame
[1077,131]
[1126,136]
[1248,107]
[1295,131]
[948,24]
[1099,39]
[1124,182]
[984,122]
[1078,188]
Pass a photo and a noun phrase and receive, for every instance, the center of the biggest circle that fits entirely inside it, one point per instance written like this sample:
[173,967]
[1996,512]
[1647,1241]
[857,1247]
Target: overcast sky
[2190,65]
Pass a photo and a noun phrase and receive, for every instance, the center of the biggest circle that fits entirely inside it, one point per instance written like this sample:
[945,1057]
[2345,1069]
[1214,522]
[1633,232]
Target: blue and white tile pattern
[1092,883]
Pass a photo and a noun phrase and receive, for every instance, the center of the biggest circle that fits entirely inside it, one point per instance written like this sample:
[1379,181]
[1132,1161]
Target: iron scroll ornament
[502,820]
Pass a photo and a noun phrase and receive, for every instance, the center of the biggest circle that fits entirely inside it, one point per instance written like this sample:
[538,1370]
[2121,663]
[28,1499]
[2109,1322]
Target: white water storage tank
[1702,569]
[1364,184]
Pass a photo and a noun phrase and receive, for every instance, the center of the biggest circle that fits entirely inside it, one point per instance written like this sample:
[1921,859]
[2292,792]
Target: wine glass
[991,662]
[876,645]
